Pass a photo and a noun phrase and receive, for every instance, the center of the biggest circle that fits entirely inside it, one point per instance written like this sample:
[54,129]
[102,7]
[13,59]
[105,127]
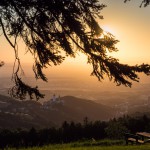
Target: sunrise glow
[128,24]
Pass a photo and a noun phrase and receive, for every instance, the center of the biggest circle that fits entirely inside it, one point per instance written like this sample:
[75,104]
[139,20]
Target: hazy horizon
[85,86]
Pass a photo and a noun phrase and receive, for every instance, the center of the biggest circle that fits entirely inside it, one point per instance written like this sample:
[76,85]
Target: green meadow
[66,147]
[91,145]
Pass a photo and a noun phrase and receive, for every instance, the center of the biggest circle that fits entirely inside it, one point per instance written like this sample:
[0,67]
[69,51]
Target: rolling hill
[27,114]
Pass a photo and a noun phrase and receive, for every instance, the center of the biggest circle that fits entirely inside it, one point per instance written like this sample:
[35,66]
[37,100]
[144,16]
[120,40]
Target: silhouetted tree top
[144,3]
[55,29]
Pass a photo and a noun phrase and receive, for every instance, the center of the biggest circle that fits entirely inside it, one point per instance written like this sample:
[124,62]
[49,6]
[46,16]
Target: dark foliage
[144,3]
[1,63]
[53,30]
[69,132]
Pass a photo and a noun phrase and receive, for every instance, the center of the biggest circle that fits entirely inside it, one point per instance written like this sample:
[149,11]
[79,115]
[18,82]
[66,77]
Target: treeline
[70,131]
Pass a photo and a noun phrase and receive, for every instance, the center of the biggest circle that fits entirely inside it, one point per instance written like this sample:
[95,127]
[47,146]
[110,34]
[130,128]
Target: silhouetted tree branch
[49,28]
[144,3]
[1,63]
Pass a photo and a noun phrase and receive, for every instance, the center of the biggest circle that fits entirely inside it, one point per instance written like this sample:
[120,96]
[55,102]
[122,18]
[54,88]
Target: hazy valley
[97,101]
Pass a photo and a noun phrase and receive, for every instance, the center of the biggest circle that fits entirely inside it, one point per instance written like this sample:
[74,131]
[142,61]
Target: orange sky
[128,23]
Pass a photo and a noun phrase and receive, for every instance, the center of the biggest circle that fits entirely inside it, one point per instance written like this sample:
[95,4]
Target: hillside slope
[27,114]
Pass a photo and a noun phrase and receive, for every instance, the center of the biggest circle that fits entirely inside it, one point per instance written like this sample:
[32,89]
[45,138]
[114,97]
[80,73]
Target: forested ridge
[71,131]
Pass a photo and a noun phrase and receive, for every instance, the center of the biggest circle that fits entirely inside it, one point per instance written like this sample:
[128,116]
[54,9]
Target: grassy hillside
[92,145]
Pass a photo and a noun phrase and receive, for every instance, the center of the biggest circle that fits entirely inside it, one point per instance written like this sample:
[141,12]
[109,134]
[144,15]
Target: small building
[54,100]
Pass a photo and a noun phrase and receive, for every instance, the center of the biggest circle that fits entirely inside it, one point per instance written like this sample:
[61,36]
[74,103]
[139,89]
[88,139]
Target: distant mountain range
[27,114]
